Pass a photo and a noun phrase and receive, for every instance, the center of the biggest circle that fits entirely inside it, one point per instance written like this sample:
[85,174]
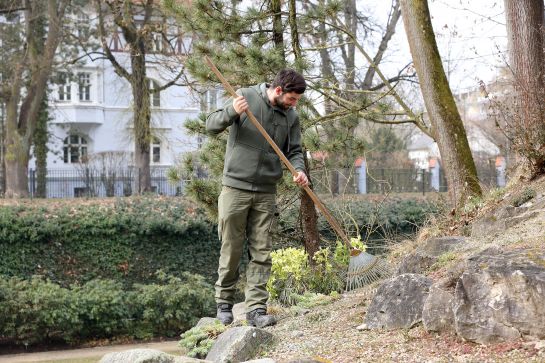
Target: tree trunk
[309,217]
[142,114]
[17,177]
[447,125]
[21,120]
[525,36]
[278,29]
[40,150]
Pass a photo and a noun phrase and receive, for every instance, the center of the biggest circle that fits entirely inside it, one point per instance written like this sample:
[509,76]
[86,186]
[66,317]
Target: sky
[471,38]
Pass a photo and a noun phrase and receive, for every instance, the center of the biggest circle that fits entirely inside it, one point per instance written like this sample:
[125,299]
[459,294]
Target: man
[247,203]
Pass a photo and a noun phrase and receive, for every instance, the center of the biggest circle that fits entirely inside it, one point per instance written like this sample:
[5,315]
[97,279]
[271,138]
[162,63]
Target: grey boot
[259,318]
[225,313]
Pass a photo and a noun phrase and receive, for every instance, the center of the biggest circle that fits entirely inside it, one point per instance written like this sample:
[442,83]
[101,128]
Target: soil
[330,334]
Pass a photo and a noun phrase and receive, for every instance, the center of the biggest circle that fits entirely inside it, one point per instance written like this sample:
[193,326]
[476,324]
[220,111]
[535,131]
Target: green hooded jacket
[250,162]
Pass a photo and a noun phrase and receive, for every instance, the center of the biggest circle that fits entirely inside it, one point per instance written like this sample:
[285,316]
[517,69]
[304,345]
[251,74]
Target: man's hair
[290,81]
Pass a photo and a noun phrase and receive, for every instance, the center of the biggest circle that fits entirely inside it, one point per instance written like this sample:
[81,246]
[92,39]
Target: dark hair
[290,81]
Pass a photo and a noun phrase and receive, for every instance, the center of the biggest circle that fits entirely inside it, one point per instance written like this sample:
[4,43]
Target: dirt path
[86,354]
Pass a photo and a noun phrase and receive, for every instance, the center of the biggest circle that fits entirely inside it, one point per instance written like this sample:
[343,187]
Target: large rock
[207,321]
[428,253]
[498,221]
[437,312]
[238,344]
[145,356]
[398,302]
[501,296]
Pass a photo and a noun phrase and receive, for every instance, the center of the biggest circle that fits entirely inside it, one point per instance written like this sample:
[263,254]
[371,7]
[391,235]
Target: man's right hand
[240,105]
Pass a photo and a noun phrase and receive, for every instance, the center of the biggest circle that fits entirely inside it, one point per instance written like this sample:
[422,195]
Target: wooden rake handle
[332,221]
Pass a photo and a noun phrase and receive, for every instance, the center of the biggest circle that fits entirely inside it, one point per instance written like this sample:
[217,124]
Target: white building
[91,111]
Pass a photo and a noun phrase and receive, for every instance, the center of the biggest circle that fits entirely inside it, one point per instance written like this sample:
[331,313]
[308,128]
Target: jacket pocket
[243,162]
[271,169]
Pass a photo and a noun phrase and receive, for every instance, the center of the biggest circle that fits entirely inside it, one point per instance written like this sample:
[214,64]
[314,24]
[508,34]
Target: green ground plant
[522,197]
[199,340]
[294,281]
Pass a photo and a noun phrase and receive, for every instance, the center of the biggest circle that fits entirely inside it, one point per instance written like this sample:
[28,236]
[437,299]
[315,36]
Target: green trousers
[245,215]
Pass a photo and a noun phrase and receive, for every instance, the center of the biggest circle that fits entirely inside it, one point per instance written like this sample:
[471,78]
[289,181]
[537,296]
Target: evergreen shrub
[40,311]
[371,219]
[127,240]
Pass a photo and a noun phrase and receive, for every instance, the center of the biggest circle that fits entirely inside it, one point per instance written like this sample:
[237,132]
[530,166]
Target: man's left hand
[301,179]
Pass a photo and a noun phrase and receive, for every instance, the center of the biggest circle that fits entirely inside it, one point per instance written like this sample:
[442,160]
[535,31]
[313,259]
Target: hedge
[39,311]
[127,240]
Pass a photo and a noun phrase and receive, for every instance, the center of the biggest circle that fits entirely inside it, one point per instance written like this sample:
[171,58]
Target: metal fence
[93,183]
[382,181]
[61,183]
[377,181]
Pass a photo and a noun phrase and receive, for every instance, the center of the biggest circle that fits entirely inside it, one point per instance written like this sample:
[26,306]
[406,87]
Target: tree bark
[447,125]
[525,37]
[142,115]
[40,150]
[309,216]
[278,29]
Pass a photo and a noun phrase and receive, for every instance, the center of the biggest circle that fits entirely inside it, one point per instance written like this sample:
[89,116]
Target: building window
[200,141]
[82,26]
[65,89]
[155,97]
[157,43]
[209,100]
[84,86]
[155,150]
[75,149]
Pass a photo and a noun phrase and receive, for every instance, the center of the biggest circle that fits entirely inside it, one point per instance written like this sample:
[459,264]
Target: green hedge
[40,311]
[393,218]
[125,240]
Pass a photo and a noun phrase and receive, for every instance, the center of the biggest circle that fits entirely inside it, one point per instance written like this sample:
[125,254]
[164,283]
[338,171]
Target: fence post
[32,182]
[362,177]
[423,181]
[382,181]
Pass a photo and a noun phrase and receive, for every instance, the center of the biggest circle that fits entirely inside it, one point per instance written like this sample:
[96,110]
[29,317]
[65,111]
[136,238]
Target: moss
[535,258]
[524,196]
[443,260]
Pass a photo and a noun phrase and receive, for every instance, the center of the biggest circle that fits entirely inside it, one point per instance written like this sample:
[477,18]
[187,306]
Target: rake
[363,268]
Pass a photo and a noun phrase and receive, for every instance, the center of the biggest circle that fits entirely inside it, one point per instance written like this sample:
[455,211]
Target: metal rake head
[364,269]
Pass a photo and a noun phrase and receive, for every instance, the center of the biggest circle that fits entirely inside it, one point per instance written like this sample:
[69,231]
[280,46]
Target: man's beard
[279,101]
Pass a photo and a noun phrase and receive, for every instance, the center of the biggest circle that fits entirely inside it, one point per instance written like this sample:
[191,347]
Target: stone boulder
[427,254]
[501,296]
[498,221]
[207,321]
[437,312]
[238,344]
[145,356]
[398,302]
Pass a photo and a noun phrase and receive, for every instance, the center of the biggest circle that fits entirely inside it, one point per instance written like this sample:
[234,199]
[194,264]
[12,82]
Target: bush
[292,277]
[175,305]
[199,340]
[524,196]
[35,310]
[125,241]
[40,311]
[371,219]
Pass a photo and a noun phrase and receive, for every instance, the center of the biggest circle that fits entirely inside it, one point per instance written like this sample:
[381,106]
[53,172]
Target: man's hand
[301,179]
[240,105]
